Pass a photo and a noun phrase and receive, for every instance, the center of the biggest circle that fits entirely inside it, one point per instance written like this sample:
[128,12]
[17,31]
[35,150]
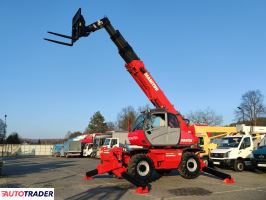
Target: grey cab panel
[163,129]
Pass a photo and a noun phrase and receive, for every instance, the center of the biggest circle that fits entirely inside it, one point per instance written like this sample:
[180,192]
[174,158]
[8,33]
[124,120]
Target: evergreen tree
[13,139]
[97,123]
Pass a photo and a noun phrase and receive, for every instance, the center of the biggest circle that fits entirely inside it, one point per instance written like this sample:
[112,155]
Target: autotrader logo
[27,193]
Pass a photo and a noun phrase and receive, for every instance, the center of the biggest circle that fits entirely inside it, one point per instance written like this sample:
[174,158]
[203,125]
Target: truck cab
[259,155]
[87,150]
[57,149]
[234,152]
[111,142]
[97,144]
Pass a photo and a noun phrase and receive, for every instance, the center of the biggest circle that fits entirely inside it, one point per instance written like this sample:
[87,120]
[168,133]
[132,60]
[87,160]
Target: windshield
[216,141]
[230,142]
[263,142]
[139,124]
[106,142]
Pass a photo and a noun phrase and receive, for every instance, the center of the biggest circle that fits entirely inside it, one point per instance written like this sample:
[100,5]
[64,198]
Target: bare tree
[143,108]
[127,116]
[206,116]
[74,134]
[110,126]
[251,106]
[68,134]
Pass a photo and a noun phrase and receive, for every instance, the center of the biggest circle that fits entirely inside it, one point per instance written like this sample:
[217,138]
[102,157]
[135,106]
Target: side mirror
[187,121]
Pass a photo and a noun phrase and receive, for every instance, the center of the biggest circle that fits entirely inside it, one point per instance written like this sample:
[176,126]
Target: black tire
[141,167]
[93,154]
[189,167]
[164,172]
[239,165]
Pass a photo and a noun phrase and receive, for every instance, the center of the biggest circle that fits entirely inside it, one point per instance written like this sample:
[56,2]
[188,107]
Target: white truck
[234,152]
[92,150]
[87,150]
[118,139]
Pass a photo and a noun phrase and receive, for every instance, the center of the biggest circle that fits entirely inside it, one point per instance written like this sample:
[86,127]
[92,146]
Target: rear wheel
[239,165]
[141,166]
[189,167]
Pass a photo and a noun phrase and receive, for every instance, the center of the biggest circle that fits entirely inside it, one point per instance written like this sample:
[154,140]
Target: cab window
[172,121]
[158,120]
[114,142]
[246,143]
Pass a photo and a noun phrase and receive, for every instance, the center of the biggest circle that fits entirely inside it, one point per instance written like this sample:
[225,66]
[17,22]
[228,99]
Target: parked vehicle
[87,150]
[71,148]
[57,149]
[234,152]
[93,150]
[98,143]
[208,138]
[118,139]
[259,155]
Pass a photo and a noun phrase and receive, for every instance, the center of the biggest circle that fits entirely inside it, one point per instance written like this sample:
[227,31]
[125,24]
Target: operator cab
[155,127]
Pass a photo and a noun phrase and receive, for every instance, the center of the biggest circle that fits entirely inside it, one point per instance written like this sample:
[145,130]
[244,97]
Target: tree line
[251,111]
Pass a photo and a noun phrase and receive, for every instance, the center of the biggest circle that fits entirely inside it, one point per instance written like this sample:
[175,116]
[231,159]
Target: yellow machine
[207,134]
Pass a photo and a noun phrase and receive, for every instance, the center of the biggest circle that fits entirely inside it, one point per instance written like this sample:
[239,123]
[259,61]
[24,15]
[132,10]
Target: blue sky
[201,53]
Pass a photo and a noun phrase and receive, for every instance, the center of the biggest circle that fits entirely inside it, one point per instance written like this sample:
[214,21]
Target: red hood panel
[138,138]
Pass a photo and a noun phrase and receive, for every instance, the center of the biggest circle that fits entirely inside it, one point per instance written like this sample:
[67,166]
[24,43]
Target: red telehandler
[161,139]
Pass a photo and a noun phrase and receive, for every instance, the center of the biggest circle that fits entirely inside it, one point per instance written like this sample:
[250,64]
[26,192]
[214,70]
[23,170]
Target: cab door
[156,130]
[173,129]
[245,148]
[114,143]
[163,130]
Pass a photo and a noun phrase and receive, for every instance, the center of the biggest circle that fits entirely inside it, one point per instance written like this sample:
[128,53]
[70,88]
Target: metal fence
[25,150]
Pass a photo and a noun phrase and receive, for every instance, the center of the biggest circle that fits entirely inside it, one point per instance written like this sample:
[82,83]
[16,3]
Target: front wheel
[239,165]
[141,167]
[93,154]
[189,167]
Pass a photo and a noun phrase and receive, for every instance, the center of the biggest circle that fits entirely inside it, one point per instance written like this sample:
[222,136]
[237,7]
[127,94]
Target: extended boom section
[133,64]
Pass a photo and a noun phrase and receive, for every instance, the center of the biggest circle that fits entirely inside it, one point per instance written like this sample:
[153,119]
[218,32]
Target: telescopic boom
[133,63]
